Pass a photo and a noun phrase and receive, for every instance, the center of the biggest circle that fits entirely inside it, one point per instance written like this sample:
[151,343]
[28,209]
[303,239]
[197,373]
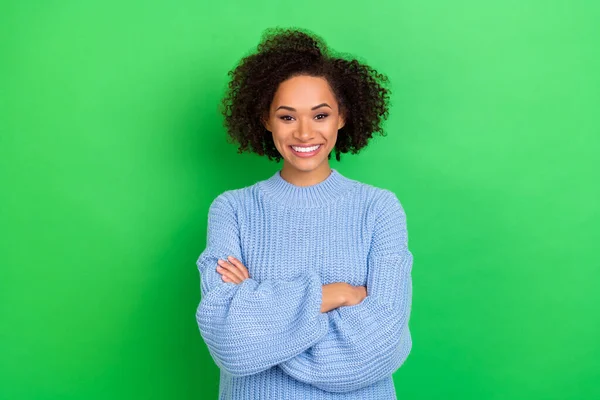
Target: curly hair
[284,53]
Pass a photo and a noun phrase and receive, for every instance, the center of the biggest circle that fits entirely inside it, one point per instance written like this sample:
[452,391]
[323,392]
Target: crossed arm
[250,326]
[334,294]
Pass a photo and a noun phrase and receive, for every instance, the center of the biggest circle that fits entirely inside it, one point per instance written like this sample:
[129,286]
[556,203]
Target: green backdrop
[112,149]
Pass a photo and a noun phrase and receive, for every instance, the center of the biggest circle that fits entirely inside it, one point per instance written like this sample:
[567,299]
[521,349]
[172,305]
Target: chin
[306,165]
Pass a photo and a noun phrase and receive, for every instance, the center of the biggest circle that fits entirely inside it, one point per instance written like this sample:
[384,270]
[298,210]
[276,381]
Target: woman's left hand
[233,271]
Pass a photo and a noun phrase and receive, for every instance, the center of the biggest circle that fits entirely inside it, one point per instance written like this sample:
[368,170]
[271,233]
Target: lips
[304,154]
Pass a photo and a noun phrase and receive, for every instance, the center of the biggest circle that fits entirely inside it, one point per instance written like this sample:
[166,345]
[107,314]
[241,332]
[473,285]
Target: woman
[306,276]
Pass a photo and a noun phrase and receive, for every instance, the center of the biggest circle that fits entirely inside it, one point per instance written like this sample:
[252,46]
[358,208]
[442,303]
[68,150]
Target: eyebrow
[314,108]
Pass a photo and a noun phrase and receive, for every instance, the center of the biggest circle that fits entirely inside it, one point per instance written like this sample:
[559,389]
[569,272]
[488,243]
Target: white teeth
[306,149]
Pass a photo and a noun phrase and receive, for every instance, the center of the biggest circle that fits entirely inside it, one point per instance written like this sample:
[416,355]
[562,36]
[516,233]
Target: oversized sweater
[267,334]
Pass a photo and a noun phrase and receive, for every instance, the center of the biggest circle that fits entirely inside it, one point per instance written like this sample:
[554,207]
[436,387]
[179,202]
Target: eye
[284,117]
[324,116]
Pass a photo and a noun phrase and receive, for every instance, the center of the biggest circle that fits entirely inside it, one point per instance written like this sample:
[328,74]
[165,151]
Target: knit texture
[267,334]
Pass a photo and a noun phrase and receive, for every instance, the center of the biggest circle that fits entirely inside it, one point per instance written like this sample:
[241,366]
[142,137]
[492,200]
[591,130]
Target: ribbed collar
[317,195]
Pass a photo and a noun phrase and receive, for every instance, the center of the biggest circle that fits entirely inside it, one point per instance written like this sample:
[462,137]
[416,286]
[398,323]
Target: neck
[305,178]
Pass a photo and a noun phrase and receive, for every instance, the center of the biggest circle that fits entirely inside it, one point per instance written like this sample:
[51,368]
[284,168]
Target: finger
[240,266]
[234,271]
[231,266]
[228,276]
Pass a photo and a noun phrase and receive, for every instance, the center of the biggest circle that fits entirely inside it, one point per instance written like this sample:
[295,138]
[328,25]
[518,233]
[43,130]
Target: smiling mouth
[306,151]
[306,148]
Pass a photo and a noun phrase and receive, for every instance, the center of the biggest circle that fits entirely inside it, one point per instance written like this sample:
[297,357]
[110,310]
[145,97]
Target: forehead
[303,92]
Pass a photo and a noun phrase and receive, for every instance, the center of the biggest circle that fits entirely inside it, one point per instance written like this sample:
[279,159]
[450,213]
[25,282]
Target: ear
[341,121]
[265,122]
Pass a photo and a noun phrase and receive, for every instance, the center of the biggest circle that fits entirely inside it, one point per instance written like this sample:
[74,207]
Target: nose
[304,132]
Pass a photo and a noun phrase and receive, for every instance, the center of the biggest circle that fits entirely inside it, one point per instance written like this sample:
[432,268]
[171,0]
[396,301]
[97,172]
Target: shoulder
[227,199]
[377,199]
[233,199]
[386,218]
[383,208]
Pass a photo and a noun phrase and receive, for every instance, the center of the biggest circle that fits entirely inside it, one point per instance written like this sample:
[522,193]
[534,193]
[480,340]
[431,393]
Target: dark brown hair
[285,53]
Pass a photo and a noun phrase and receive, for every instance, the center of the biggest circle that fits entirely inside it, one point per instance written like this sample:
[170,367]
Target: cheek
[283,132]
[278,133]
[280,137]
[331,129]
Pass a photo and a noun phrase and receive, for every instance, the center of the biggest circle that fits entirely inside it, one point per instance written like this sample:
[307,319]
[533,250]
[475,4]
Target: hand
[233,271]
[354,295]
[334,295]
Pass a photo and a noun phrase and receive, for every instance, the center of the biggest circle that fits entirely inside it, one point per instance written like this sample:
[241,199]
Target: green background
[111,150]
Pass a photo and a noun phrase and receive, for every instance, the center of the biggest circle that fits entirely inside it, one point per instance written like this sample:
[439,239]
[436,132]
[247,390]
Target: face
[304,114]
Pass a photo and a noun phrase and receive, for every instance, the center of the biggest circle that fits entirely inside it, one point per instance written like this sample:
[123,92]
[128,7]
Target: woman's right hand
[354,295]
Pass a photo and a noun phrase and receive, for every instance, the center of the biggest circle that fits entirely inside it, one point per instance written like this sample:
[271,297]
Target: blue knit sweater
[267,334]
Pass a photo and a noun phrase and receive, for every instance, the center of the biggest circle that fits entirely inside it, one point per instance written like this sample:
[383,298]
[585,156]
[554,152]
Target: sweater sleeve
[251,326]
[368,341]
